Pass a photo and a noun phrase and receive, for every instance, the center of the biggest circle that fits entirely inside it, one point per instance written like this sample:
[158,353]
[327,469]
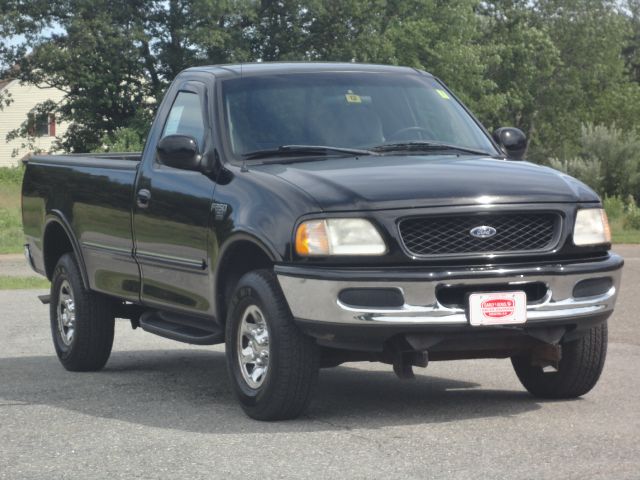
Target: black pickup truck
[314,214]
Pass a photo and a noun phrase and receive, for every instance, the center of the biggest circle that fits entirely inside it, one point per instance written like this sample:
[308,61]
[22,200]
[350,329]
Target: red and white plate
[498,308]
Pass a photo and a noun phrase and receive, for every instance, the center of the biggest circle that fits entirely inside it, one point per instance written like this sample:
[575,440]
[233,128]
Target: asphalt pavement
[161,409]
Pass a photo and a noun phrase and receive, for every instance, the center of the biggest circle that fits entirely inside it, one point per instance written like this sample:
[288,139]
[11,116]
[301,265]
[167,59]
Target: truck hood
[403,181]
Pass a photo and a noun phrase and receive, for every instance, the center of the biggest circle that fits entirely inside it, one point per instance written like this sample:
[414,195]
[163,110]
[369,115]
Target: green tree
[94,61]
[446,41]
[559,65]
[608,160]
[113,58]
[589,35]
[522,66]
[350,31]
[279,30]
[546,66]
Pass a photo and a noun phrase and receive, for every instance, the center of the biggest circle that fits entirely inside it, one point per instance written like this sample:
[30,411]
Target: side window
[185,117]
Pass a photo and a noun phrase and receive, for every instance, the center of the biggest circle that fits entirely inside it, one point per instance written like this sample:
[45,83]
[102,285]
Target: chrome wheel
[66,312]
[253,347]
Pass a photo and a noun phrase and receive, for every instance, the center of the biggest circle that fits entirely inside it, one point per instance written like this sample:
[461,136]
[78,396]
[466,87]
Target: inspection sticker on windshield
[352,97]
[443,94]
[507,308]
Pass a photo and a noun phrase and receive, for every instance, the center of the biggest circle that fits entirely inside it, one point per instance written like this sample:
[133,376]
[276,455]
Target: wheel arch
[240,254]
[58,239]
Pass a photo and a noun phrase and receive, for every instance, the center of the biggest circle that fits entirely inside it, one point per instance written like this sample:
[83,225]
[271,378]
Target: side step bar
[181,328]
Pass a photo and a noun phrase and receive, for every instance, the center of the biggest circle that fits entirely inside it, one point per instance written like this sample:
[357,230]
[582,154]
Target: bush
[11,175]
[615,207]
[587,171]
[632,220]
[609,161]
[122,140]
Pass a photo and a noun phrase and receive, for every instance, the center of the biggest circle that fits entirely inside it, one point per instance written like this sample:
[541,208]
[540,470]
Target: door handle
[144,196]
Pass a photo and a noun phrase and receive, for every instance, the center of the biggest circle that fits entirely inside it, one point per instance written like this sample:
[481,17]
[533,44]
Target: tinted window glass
[344,109]
[185,117]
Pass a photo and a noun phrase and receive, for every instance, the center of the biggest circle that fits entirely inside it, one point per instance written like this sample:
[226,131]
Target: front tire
[272,365]
[578,371]
[82,321]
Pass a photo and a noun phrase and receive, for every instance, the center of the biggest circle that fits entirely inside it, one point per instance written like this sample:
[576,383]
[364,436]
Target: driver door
[171,220]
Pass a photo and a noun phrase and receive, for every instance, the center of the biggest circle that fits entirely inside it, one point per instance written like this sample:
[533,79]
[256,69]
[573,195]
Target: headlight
[339,236]
[591,228]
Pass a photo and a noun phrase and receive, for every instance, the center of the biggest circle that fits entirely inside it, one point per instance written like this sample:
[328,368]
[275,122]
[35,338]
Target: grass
[621,235]
[11,236]
[20,283]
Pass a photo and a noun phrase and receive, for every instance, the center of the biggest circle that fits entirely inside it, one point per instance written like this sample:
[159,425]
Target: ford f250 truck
[309,215]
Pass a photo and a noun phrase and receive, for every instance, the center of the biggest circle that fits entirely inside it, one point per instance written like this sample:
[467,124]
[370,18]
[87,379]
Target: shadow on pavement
[189,390]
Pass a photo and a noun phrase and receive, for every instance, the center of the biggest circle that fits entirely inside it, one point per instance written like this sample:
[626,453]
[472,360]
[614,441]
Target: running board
[182,328]
[45,299]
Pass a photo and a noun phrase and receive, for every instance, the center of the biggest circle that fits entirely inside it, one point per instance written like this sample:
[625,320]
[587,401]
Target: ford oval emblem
[483,231]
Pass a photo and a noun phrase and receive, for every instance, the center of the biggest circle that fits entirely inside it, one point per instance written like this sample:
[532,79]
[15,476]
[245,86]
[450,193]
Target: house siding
[25,97]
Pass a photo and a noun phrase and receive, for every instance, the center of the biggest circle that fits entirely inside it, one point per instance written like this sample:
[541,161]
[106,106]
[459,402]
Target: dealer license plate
[506,308]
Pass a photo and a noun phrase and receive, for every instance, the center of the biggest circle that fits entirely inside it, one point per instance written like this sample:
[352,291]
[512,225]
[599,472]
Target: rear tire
[272,365]
[578,371]
[82,321]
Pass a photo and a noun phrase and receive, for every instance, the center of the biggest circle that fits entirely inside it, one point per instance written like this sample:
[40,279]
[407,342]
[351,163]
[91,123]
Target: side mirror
[179,151]
[512,140]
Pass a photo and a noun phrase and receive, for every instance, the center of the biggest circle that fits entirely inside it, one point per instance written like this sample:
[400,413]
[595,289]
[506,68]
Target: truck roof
[269,68]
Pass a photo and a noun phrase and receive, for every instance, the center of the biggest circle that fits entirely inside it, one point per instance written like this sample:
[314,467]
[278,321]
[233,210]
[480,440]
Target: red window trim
[52,125]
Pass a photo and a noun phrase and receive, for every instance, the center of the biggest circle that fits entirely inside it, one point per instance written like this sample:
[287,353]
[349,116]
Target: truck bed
[91,197]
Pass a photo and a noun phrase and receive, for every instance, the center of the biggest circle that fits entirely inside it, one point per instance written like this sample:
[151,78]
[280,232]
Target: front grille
[451,235]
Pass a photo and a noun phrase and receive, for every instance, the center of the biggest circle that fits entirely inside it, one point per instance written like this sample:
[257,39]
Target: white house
[44,128]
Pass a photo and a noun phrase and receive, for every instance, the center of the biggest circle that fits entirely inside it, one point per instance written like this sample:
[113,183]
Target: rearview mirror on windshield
[512,140]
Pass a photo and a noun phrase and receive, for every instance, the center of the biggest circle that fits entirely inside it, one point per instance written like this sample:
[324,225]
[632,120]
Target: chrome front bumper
[312,294]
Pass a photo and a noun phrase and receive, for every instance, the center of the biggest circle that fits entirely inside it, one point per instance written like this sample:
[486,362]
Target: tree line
[549,67]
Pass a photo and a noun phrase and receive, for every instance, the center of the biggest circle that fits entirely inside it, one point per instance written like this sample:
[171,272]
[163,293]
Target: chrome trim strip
[158,258]
[108,248]
[594,266]
[148,257]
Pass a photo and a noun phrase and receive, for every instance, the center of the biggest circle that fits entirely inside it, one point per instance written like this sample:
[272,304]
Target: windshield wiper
[294,150]
[424,146]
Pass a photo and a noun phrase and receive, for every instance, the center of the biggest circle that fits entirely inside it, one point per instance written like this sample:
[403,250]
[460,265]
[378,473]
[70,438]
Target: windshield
[357,110]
